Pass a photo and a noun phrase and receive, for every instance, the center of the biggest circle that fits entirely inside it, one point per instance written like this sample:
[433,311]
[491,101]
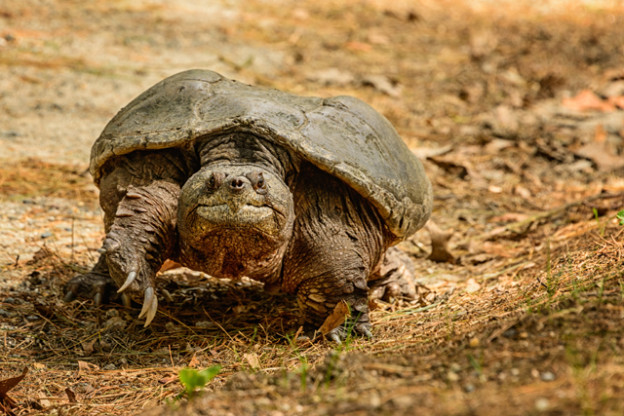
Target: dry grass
[527,321]
[560,302]
[33,177]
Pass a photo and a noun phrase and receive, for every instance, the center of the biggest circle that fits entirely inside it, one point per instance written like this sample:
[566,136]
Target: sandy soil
[518,114]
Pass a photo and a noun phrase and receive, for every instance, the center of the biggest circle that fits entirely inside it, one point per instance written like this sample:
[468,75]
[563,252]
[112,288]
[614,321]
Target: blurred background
[68,66]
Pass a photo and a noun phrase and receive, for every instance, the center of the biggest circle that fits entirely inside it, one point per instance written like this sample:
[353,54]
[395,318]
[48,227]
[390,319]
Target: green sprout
[193,379]
[620,217]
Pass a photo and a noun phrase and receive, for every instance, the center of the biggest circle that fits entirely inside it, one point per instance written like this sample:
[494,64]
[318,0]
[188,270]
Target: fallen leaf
[168,265]
[358,46]
[168,379]
[495,146]
[452,165]
[439,244]
[429,152]
[71,396]
[600,153]
[472,286]
[88,347]
[522,191]
[332,76]
[509,217]
[39,366]
[194,362]
[84,366]
[382,84]
[617,101]
[336,318]
[252,359]
[478,258]
[6,403]
[378,39]
[587,100]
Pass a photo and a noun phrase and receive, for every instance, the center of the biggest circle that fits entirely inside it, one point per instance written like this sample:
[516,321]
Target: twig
[520,228]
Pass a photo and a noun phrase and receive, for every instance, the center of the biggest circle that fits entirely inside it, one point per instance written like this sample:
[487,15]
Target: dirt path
[518,113]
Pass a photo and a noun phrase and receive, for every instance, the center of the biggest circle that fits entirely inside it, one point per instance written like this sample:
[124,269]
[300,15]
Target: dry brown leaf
[439,244]
[358,46]
[252,359]
[6,403]
[71,396]
[587,100]
[88,347]
[84,366]
[599,152]
[472,286]
[382,84]
[194,362]
[510,217]
[168,265]
[336,318]
[169,379]
[39,366]
[617,101]
[429,152]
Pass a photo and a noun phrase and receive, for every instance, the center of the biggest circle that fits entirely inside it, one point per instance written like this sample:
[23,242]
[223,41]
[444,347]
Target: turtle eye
[258,182]
[214,181]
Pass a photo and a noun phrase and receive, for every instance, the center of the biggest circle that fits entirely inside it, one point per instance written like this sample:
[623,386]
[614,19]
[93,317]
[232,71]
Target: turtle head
[235,220]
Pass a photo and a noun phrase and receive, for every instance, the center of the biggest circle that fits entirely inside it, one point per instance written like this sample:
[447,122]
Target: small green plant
[602,226]
[620,217]
[332,364]
[349,337]
[552,281]
[476,365]
[304,366]
[303,371]
[193,379]
[601,288]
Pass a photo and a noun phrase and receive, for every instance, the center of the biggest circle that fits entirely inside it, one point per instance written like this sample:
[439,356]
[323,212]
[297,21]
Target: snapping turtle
[304,194]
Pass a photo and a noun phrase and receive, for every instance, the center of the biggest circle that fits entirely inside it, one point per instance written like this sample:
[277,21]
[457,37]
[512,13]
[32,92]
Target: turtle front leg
[337,241]
[141,236]
[318,296]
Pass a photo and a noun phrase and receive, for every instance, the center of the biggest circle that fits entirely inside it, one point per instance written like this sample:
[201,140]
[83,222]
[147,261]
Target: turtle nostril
[237,184]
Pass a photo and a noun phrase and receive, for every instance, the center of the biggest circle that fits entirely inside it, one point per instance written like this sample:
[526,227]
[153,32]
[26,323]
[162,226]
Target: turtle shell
[340,135]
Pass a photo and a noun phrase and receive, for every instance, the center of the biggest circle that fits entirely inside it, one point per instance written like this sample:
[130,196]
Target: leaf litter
[524,320]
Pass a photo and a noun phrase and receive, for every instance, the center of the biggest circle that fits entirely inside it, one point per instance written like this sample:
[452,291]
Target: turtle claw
[69,296]
[150,306]
[97,298]
[96,285]
[366,332]
[131,277]
[333,336]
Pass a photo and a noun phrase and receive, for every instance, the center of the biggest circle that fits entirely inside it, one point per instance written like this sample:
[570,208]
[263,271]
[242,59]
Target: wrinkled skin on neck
[236,214]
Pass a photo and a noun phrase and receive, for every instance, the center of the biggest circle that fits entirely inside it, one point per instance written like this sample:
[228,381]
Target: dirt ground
[518,114]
